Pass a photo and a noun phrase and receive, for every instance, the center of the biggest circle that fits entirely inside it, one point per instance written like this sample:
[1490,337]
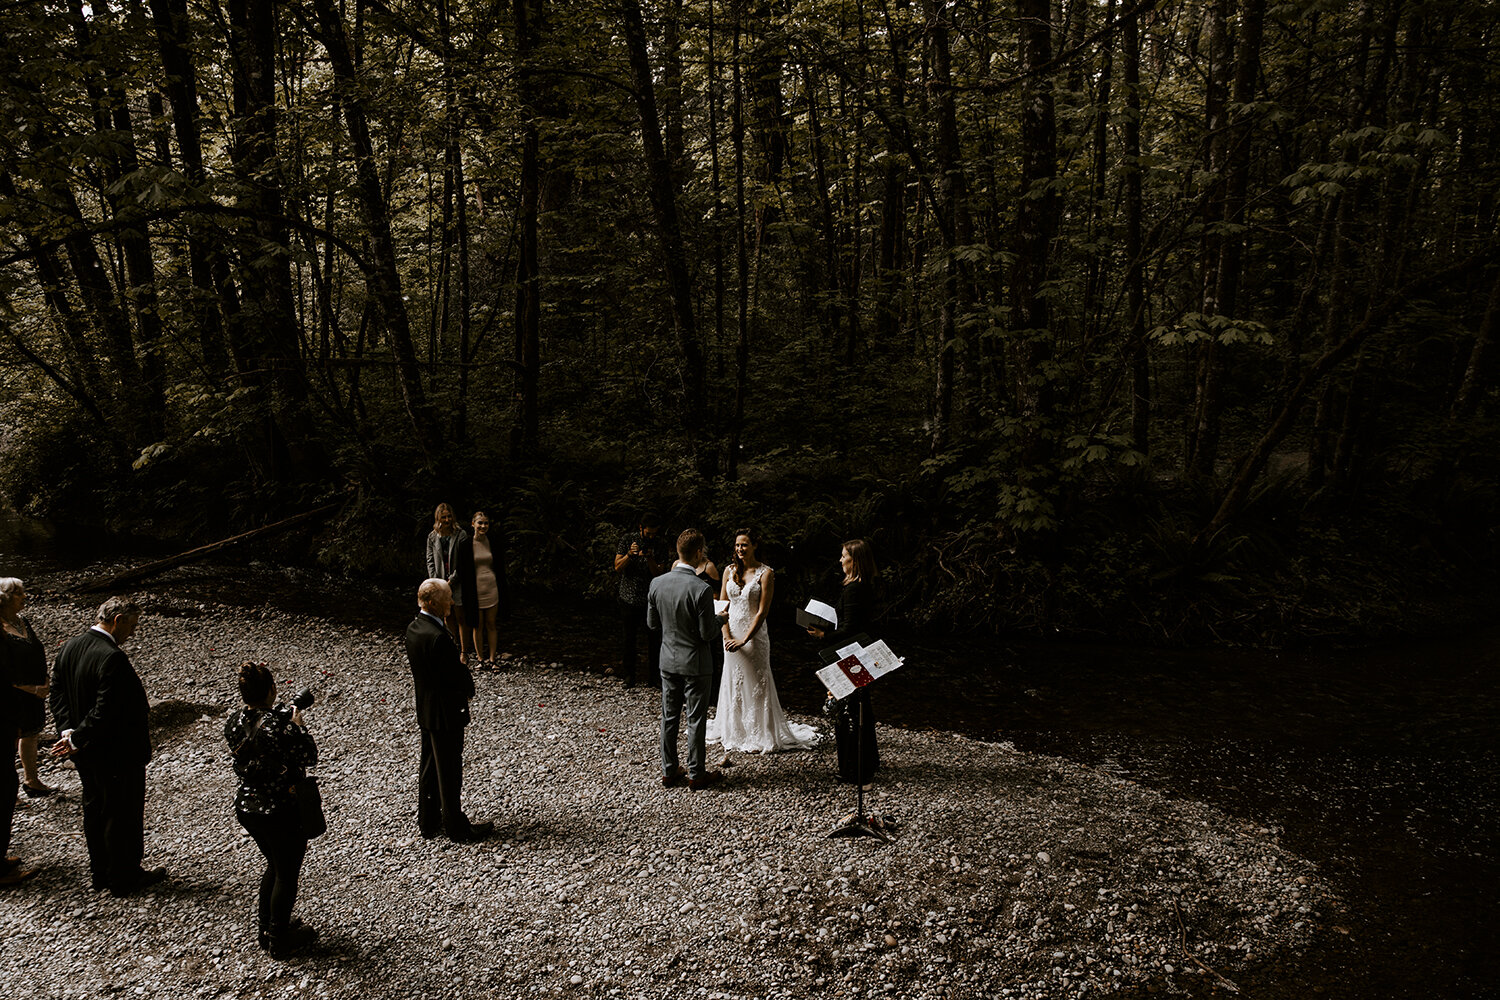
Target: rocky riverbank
[1009,875]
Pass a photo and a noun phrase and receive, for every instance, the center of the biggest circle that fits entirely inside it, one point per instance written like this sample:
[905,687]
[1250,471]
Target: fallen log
[161,565]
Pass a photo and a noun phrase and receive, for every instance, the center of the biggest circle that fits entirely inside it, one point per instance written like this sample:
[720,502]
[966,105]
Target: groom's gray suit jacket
[682,606]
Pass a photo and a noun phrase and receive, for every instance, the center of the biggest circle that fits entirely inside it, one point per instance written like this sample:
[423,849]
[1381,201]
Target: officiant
[853,729]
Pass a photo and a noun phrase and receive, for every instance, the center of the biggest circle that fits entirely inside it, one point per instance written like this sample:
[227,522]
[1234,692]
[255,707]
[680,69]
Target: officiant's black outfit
[443,686]
[851,726]
[97,695]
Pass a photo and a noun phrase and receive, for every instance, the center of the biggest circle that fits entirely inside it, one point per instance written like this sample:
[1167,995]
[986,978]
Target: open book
[857,667]
[819,616]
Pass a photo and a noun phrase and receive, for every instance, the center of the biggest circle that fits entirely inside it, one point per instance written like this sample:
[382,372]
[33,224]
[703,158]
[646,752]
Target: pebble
[595,868]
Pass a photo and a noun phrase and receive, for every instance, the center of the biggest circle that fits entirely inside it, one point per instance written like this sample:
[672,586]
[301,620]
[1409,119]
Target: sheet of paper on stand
[879,659]
[858,665]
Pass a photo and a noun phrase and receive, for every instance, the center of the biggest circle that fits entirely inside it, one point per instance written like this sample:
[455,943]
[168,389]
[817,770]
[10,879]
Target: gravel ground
[1010,874]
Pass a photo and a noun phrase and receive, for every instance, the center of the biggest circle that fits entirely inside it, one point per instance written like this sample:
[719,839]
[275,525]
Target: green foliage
[262,370]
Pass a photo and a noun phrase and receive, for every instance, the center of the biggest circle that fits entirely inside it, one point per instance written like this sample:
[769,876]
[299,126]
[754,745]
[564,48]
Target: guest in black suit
[853,731]
[101,712]
[444,687]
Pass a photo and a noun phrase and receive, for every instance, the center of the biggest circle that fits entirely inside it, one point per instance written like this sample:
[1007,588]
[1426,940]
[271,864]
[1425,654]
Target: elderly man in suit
[444,687]
[682,607]
[101,711]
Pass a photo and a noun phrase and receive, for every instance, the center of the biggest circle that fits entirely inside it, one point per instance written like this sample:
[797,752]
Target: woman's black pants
[279,837]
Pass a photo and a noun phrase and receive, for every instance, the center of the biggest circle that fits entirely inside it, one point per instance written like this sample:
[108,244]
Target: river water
[1382,765]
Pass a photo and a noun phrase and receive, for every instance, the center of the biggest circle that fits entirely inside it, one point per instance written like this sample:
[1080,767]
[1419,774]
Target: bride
[750,716]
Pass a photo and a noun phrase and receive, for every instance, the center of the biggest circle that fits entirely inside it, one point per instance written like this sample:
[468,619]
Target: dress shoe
[14,874]
[675,779]
[148,877]
[285,942]
[707,779]
[475,833]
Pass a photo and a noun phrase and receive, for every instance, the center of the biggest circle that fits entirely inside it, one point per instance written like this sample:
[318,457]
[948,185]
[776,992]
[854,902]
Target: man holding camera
[444,686]
[101,711]
[640,557]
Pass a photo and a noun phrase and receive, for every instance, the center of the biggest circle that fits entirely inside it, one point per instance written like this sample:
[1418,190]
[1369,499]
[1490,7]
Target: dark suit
[97,694]
[444,687]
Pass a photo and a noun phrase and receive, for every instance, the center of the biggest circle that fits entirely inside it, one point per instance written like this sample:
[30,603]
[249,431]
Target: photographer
[271,750]
[640,557]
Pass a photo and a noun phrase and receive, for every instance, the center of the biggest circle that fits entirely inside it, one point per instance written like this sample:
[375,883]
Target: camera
[304,699]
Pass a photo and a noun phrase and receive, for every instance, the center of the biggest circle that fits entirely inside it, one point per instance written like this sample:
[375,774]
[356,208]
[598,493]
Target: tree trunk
[385,274]
[1036,227]
[528,312]
[1203,431]
[741,253]
[140,293]
[1478,373]
[174,39]
[669,232]
[950,195]
[1135,252]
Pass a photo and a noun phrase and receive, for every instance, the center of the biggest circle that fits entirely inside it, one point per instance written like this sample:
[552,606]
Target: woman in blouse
[272,750]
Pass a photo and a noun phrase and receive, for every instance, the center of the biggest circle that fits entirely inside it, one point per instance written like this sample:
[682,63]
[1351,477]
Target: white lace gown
[750,716]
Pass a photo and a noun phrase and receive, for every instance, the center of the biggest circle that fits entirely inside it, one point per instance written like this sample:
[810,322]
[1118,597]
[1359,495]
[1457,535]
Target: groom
[682,607]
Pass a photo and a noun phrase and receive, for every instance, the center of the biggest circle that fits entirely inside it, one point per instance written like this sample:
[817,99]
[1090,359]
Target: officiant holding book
[853,729]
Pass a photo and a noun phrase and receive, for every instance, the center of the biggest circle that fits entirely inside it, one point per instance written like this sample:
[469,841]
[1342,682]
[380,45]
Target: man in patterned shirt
[640,556]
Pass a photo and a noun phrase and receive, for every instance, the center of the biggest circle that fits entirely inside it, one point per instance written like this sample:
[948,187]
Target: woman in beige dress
[481,574]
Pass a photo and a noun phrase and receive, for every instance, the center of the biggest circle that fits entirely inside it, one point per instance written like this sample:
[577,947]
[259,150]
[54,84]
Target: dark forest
[1168,320]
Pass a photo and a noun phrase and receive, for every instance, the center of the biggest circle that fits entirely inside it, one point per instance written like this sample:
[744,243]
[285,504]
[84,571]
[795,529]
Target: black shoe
[283,943]
[147,877]
[475,833]
[37,793]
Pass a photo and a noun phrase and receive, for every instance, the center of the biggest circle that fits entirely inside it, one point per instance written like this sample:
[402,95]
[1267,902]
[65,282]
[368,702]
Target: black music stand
[860,825]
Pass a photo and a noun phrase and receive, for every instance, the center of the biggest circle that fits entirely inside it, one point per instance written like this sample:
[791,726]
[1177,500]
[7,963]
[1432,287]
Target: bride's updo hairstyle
[255,682]
[739,564]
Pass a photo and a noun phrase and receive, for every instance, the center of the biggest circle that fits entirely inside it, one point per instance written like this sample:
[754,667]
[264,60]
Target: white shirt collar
[96,628]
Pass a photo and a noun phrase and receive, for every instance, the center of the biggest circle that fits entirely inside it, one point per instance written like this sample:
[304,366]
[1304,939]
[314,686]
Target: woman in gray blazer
[442,562]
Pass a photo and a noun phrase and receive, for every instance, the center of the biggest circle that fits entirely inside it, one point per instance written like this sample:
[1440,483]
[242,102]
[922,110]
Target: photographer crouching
[272,750]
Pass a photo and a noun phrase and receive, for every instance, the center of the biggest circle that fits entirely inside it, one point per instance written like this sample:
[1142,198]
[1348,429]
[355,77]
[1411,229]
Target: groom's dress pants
[679,692]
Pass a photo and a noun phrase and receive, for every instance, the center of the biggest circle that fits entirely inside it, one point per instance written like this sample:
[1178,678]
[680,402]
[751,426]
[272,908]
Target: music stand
[860,825]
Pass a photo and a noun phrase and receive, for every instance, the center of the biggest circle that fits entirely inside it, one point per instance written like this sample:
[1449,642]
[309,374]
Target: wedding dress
[750,716]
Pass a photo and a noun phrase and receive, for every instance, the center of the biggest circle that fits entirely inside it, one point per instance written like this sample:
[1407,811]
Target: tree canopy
[1114,307]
